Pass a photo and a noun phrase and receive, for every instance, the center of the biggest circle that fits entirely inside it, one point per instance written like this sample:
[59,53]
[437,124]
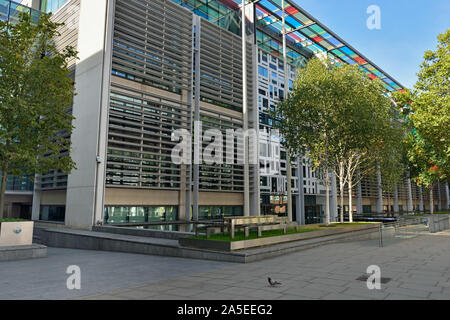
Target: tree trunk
[327,203]
[350,200]
[341,188]
[3,190]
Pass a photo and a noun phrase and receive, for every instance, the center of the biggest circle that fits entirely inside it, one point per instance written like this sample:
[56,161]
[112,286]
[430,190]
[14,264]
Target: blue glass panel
[4,9]
[293,22]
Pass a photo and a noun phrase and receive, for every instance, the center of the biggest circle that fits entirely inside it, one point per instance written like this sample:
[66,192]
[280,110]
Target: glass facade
[217,212]
[131,214]
[51,5]
[53,213]
[10,10]
[23,183]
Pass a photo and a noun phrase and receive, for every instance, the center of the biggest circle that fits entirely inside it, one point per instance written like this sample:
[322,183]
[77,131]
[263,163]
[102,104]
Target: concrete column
[410,207]
[286,88]
[197,128]
[255,193]
[36,208]
[183,196]
[359,203]
[245,109]
[333,199]
[86,185]
[421,207]
[300,201]
[380,191]
[447,197]
[396,207]
[439,195]
[31,3]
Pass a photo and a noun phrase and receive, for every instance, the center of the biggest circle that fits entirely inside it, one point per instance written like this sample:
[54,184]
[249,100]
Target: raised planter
[439,222]
[16,233]
[262,242]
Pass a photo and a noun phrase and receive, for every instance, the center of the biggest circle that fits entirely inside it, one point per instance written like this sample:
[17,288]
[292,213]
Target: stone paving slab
[327,272]
[330,273]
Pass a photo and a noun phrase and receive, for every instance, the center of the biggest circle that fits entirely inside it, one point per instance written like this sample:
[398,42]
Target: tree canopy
[336,116]
[426,110]
[36,93]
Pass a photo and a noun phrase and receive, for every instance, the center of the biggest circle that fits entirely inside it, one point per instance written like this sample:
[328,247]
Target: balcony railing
[10,11]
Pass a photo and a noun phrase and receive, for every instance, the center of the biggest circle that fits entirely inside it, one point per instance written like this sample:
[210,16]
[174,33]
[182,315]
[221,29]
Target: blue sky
[408,29]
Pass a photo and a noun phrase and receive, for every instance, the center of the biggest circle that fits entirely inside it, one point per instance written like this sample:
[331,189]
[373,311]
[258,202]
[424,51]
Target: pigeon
[273,283]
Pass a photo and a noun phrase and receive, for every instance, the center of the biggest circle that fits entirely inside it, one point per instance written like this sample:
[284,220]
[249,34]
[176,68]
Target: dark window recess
[53,213]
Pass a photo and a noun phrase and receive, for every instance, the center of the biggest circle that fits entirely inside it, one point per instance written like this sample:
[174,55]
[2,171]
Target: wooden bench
[261,223]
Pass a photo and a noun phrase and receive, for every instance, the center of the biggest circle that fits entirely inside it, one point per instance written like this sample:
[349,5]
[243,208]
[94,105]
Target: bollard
[380,238]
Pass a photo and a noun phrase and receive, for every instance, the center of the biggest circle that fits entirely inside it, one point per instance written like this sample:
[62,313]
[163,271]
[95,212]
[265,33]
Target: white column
[197,127]
[421,207]
[300,203]
[439,195]
[333,203]
[447,197]
[286,88]
[245,111]
[410,207]
[396,207]
[36,208]
[255,194]
[86,185]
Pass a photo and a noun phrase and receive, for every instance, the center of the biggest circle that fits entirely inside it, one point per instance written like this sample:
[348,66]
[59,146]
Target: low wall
[34,251]
[90,240]
[439,222]
[367,231]
[143,232]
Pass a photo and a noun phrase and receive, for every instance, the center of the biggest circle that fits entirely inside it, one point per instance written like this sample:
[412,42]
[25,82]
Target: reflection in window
[217,212]
[52,5]
[128,214]
[52,213]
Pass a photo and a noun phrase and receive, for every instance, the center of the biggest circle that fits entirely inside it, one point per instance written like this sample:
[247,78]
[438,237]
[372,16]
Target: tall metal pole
[197,126]
[245,113]
[286,88]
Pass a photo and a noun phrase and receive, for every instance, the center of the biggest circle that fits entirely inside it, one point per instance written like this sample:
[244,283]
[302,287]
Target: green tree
[431,104]
[333,116]
[306,119]
[369,117]
[426,111]
[36,94]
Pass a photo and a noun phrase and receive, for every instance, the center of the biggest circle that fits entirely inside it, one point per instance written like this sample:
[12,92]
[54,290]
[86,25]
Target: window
[367,209]
[263,72]
[264,57]
[129,214]
[51,5]
[216,212]
[53,213]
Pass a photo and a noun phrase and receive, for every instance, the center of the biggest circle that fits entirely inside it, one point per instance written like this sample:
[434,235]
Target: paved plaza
[418,268]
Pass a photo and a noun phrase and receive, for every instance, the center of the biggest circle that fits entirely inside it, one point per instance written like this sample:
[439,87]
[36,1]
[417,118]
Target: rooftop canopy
[303,32]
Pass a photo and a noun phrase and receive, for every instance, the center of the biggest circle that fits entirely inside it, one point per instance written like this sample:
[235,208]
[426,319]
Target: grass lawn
[253,234]
[422,214]
[12,220]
